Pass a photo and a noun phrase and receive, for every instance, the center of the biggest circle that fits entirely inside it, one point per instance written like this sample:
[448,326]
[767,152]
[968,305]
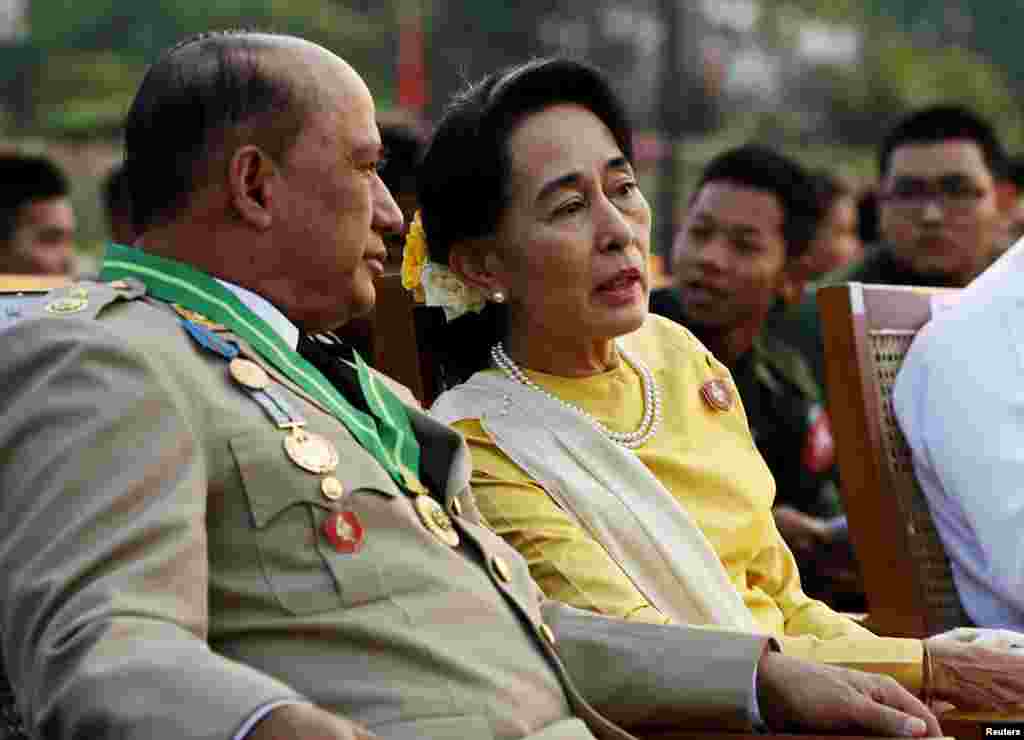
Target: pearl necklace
[631,440]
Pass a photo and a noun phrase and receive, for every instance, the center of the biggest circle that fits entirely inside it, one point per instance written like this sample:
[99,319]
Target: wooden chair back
[395,338]
[907,578]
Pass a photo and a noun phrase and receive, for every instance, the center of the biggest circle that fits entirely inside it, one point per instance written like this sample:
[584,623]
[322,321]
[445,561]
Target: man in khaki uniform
[201,537]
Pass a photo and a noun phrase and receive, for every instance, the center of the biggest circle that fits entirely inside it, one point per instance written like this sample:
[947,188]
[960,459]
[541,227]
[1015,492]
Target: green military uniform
[185,538]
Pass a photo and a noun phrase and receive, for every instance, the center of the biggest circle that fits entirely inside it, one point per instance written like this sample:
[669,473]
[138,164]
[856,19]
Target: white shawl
[609,493]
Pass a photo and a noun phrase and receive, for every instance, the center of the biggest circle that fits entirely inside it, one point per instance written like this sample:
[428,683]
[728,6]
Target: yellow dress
[708,460]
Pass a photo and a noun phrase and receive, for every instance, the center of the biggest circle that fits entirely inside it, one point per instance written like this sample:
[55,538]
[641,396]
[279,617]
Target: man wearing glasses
[944,201]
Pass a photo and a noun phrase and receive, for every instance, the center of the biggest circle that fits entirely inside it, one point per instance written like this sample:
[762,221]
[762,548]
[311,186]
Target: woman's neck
[555,356]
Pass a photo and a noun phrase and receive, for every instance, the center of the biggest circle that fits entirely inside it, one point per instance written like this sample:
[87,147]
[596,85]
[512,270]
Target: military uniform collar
[266,311]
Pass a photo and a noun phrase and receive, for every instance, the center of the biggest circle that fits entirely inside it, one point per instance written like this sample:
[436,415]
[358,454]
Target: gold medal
[717,394]
[436,520]
[331,488]
[310,451]
[248,374]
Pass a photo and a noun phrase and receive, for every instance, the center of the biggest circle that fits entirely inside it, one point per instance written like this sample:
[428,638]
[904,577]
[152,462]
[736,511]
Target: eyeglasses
[954,194]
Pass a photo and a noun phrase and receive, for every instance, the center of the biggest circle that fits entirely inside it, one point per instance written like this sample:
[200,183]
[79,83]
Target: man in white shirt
[959,399]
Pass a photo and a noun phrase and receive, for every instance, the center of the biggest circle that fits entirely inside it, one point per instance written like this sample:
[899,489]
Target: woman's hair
[464,175]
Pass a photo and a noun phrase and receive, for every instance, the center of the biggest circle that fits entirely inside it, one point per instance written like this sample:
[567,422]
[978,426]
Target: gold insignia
[310,451]
[67,305]
[436,520]
[75,300]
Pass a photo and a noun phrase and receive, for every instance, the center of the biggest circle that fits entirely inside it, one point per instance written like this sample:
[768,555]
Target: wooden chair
[868,330]
[395,339]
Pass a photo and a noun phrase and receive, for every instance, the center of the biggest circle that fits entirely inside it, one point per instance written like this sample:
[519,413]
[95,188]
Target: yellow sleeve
[815,632]
[565,561]
[773,574]
[893,656]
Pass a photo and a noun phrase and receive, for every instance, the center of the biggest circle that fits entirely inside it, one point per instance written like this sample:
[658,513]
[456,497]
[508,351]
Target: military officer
[202,536]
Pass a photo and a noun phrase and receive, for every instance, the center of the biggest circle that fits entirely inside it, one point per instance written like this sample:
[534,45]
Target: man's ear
[251,178]
[477,264]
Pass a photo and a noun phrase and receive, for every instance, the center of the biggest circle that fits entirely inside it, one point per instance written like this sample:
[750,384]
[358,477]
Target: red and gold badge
[717,394]
[344,531]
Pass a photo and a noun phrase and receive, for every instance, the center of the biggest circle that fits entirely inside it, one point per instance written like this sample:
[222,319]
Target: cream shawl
[610,493]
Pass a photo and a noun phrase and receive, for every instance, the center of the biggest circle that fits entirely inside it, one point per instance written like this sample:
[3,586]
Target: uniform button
[502,569]
[456,506]
[331,488]
[549,635]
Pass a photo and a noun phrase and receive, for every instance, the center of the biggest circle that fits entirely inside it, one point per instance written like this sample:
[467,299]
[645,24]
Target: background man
[958,401]
[751,220]
[200,533]
[37,223]
[944,197]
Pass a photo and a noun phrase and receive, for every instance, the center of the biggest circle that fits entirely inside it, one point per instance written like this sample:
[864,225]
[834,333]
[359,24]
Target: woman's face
[573,240]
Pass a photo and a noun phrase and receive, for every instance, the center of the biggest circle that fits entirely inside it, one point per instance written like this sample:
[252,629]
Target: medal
[248,374]
[717,394]
[344,531]
[310,451]
[436,520]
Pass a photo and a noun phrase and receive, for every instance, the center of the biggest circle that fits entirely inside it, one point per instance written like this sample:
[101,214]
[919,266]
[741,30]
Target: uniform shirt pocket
[302,569]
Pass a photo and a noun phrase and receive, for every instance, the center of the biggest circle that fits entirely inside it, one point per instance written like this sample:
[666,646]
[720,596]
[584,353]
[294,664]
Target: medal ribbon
[386,434]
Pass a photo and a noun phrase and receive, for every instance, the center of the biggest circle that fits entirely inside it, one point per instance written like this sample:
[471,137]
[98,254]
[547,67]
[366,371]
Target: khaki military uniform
[167,568]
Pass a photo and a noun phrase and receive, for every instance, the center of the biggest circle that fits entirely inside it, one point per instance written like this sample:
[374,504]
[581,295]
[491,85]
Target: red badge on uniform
[819,453]
[344,531]
[717,394]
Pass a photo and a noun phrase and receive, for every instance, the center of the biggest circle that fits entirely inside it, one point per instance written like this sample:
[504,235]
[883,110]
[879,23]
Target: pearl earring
[498,297]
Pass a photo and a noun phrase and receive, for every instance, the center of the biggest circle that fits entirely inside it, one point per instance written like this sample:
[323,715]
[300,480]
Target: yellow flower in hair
[414,257]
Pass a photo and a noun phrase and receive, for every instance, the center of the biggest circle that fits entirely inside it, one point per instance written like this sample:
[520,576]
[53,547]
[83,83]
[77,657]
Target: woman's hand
[974,676]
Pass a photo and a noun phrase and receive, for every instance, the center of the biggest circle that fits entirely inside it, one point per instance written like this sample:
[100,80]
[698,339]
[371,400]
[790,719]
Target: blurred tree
[78,68]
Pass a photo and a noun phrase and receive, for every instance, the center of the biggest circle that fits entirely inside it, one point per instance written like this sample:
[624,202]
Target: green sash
[386,434]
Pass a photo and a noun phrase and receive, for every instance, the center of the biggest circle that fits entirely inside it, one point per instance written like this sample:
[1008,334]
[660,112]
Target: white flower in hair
[442,287]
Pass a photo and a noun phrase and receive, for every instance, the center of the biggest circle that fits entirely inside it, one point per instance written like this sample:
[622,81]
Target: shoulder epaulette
[87,299]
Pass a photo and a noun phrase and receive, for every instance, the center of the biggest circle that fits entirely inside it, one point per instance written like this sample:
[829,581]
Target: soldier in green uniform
[751,219]
[945,202]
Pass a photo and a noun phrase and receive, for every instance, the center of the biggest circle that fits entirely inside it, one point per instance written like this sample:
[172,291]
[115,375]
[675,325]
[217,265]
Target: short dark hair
[23,179]
[760,168]
[941,123]
[463,179]
[207,93]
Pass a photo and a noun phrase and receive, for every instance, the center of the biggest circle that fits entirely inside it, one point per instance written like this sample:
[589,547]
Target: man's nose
[387,216]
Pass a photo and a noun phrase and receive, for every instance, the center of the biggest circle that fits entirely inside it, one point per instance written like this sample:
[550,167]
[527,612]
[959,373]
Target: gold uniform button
[549,635]
[436,520]
[331,488]
[502,569]
[456,507]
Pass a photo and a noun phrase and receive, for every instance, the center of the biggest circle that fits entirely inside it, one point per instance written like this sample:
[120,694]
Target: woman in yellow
[609,447]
